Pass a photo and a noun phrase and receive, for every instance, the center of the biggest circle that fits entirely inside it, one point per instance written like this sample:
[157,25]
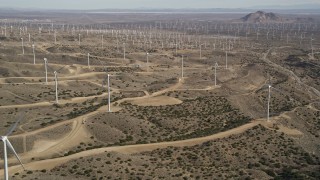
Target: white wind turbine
[102,41]
[6,143]
[79,39]
[182,67]
[22,46]
[109,98]
[147,61]
[109,89]
[226,60]
[124,51]
[46,68]
[176,48]
[56,82]
[215,74]
[89,60]
[269,99]
[34,55]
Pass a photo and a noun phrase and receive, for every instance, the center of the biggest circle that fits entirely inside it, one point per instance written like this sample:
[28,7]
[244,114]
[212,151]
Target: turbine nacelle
[4,138]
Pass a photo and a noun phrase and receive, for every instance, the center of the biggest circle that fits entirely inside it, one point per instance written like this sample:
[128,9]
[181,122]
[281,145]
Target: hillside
[261,17]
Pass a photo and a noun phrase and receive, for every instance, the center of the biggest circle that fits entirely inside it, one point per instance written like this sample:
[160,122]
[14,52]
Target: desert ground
[160,96]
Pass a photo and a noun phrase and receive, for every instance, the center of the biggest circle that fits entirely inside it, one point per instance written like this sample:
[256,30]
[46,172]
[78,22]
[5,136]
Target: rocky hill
[261,17]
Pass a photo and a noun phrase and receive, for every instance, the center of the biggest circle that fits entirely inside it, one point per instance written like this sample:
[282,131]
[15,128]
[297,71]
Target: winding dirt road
[130,149]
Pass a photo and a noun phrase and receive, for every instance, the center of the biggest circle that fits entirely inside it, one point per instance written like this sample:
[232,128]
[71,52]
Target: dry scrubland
[259,153]
[152,104]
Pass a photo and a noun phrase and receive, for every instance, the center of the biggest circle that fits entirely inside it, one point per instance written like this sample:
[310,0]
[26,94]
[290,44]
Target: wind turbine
[226,59]
[269,99]
[182,67]
[46,69]
[56,84]
[176,48]
[6,143]
[102,41]
[89,60]
[22,46]
[34,55]
[147,62]
[215,74]
[109,98]
[109,95]
[124,51]
[55,37]
[79,39]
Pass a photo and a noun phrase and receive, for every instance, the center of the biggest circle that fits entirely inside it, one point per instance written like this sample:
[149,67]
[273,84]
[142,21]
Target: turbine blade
[104,82]
[105,68]
[61,68]
[13,127]
[50,68]
[266,86]
[278,90]
[14,152]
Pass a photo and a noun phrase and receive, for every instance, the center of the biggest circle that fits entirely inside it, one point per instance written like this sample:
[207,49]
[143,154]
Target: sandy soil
[156,101]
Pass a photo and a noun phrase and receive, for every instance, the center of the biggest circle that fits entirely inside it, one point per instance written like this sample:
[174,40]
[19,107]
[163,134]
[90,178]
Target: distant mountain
[290,7]
[261,17]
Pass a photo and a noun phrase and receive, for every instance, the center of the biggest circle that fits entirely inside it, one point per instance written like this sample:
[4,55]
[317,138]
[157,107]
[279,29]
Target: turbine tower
[226,60]
[109,104]
[176,48]
[46,68]
[269,96]
[79,39]
[269,99]
[124,51]
[56,83]
[22,46]
[147,62]
[34,55]
[89,60]
[182,67]
[6,143]
[215,74]
[102,41]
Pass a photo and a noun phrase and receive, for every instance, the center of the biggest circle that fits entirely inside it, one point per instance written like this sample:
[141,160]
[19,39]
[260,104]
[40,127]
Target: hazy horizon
[158,4]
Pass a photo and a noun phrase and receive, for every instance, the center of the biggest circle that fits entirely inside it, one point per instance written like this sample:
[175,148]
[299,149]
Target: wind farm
[122,95]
